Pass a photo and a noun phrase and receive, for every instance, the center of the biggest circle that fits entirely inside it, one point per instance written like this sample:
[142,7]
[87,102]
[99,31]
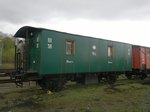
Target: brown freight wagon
[148,60]
[140,61]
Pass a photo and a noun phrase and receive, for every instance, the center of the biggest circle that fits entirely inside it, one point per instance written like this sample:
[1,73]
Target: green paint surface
[47,54]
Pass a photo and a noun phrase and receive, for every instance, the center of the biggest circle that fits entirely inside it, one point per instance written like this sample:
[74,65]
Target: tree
[8,51]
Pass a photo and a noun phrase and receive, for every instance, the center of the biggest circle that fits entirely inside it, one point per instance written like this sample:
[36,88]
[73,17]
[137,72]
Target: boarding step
[19,80]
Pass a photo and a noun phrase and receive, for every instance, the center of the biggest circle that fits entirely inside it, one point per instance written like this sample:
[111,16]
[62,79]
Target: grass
[125,96]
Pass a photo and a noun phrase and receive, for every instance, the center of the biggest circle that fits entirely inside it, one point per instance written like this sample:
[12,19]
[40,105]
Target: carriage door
[70,53]
[110,54]
[33,52]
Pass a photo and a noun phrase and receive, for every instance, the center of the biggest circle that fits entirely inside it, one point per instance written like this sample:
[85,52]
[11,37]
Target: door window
[70,47]
[110,51]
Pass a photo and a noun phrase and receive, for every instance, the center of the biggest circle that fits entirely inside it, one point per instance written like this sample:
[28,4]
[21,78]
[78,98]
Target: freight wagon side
[140,61]
[148,60]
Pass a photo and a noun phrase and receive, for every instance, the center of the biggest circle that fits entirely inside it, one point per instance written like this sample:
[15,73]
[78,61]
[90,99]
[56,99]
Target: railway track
[5,75]
[6,81]
[6,70]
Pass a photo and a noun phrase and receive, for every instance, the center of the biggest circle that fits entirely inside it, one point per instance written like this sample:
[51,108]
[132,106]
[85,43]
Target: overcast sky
[120,20]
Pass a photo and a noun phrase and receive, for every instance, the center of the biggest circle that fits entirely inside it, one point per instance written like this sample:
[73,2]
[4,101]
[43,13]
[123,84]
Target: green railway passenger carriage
[52,57]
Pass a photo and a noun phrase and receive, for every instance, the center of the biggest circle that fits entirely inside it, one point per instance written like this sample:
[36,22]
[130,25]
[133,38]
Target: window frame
[110,51]
[72,48]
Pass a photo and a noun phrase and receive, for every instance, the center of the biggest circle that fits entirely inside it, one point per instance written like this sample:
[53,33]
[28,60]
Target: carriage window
[70,47]
[110,51]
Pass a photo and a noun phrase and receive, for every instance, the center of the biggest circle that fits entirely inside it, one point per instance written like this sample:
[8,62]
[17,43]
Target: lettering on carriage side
[69,61]
[110,62]
[49,46]
[94,52]
[37,41]
[49,40]
[128,52]
[143,61]
[31,34]
[37,45]
[94,47]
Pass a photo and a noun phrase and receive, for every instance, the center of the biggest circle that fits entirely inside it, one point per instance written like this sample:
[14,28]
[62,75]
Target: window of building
[70,47]
[110,51]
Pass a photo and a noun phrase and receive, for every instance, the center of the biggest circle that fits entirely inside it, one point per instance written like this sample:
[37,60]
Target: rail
[5,75]
[6,71]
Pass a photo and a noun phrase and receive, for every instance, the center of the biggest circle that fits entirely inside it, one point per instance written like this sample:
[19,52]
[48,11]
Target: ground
[124,96]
